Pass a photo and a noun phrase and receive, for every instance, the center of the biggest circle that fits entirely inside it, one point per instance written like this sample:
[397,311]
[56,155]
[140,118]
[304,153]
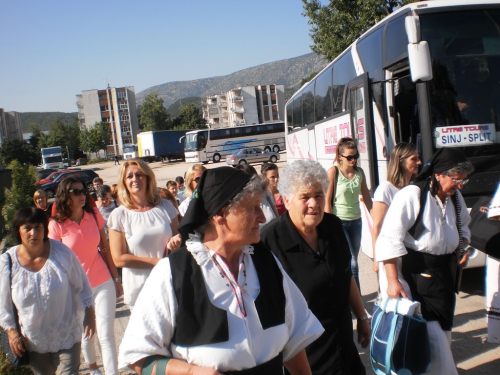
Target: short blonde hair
[37,195]
[151,188]
[190,177]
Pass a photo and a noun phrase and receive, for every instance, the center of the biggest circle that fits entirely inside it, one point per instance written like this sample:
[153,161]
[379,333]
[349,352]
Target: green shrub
[7,369]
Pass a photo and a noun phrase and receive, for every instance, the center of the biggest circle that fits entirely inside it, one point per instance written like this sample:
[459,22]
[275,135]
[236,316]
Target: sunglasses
[350,157]
[78,192]
[197,179]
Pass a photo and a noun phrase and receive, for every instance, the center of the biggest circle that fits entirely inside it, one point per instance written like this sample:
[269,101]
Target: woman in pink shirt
[81,227]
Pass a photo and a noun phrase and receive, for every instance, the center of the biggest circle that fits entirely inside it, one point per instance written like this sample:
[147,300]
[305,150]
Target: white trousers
[442,362]
[105,306]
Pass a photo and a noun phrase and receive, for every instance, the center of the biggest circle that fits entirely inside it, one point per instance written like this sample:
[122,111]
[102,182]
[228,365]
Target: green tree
[73,139]
[153,115]
[20,194]
[99,137]
[190,117]
[23,152]
[339,23]
[84,139]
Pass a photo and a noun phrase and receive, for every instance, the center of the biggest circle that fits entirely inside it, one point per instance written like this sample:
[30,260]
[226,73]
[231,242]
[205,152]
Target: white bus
[203,145]
[130,151]
[429,73]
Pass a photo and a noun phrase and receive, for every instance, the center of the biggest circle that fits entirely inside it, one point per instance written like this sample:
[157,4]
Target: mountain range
[289,72]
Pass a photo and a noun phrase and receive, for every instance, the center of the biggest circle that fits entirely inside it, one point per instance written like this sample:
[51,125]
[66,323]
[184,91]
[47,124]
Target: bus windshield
[129,149]
[196,141]
[52,159]
[465,89]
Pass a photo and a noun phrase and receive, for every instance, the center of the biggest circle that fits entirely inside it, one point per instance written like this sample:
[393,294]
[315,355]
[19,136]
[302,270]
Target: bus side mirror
[418,51]
[420,61]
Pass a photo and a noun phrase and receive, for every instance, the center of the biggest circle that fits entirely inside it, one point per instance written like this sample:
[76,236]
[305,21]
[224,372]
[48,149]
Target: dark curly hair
[64,202]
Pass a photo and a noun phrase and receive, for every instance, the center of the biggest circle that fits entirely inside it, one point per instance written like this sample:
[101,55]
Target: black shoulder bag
[14,361]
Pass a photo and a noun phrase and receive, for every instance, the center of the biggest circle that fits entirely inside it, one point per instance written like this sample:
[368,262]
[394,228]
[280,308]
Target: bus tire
[50,193]
[216,158]
[267,149]
[273,159]
[242,161]
[276,148]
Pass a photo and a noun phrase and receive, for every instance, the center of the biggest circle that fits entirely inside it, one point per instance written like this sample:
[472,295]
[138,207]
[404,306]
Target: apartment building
[10,126]
[114,105]
[246,106]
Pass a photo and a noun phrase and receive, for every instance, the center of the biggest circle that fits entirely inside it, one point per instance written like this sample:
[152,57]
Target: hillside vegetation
[45,119]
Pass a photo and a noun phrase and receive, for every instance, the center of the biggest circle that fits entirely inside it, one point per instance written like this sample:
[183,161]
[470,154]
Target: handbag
[399,343]
[14,361]
[485,232]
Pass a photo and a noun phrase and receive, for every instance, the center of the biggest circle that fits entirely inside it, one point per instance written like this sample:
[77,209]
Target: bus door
[362,131]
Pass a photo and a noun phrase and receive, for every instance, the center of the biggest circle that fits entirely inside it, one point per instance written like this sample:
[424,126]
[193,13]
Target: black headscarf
[443,160]
[214,191]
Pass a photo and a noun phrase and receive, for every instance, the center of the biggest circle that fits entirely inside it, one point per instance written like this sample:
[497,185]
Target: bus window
[308,105]
[297,112]
[405,108]
[202,139]
[289,113]
[396,43]
[343,72]
[323,95]
[370,52]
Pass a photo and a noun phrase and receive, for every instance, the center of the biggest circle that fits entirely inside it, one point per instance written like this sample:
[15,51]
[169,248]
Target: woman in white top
[193,175]
[403,165]
[420,244]
[142,228]
[220,305]
[51,293]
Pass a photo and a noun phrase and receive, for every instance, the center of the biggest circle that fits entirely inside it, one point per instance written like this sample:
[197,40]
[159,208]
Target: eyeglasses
[197,179]
[351,157]
[460,182]
[78,192]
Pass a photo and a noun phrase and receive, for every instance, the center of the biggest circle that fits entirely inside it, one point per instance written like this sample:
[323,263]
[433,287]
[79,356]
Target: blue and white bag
[399,343]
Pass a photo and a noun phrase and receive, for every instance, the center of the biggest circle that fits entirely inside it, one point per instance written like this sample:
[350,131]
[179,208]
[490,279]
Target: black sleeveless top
[199,322]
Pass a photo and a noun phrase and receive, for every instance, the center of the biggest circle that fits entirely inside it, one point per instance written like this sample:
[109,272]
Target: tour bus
[203,145]
[429,74]
[130,151]
[52,157]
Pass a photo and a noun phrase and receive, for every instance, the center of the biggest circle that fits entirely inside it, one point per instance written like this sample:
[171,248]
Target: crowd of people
[231,271]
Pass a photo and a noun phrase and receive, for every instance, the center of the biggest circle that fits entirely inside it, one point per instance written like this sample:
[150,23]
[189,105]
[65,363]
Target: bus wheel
[267,149]
[276,148]
[242,161]
[216,158]
[273,159]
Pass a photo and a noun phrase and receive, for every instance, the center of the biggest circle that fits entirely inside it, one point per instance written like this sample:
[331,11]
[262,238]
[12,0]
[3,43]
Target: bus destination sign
[465,135]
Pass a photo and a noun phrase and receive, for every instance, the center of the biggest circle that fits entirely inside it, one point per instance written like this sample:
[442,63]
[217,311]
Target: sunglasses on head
[351,157]
[78,192]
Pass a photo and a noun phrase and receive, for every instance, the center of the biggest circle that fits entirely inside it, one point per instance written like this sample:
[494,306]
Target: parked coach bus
[203,145]
[429,73]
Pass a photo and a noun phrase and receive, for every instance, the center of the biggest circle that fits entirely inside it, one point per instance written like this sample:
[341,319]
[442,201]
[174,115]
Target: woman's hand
[119,288]
[17,342]
[364,333]
[89,322]
[395,289]
[375,267]
[174,243]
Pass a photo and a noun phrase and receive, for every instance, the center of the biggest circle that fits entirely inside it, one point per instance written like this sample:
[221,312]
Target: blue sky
[52,50]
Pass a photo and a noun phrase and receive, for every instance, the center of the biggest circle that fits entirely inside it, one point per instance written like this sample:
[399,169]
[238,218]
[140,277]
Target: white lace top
[153,319]
[50,302]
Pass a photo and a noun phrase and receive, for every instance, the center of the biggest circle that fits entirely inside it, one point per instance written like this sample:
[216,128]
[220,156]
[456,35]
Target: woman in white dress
[193,175]
[220,305]
[46,275]
[425,226]
[142,229]
[403,166]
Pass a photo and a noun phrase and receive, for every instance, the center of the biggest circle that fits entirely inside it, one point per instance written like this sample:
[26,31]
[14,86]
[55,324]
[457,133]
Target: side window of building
[343,72]
[370,52]
[323,95]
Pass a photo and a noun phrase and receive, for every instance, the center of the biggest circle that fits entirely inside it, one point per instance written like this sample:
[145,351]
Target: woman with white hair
[312,247]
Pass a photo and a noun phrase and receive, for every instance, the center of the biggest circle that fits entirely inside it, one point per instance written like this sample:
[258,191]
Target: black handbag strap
[14,308]
[335,182]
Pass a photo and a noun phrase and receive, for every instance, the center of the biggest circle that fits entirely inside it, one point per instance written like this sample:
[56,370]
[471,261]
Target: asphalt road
[473,355]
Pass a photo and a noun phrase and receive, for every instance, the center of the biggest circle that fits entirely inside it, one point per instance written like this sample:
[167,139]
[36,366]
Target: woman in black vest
[312,247]
[425,228]
[220,305]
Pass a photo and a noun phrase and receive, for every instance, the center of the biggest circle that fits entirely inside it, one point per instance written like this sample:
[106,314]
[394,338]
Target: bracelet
[15,338]
[118,280]
[364,317]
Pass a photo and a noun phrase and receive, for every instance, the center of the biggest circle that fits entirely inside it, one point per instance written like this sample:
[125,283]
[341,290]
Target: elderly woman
[424,227]
[141,229]
[46,276]
[220,305]
[193,176]
[312,247]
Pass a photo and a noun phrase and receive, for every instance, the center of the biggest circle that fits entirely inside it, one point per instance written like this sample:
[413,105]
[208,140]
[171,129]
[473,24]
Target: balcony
[240,122]
[222,104]
[81,116]
[238,110]
[237,98]
[79,104]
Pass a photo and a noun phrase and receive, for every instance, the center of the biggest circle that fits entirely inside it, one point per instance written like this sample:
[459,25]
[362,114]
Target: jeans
[64,362]
[352,231]
[105,305]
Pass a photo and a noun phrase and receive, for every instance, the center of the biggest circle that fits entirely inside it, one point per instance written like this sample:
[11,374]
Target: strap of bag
[14,308]
[335,182]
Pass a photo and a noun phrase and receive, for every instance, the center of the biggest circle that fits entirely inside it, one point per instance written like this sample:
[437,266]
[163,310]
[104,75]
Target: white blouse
[147,234]
[440,235]
[183,207]
[152,323]
[385,193]
[50,302]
